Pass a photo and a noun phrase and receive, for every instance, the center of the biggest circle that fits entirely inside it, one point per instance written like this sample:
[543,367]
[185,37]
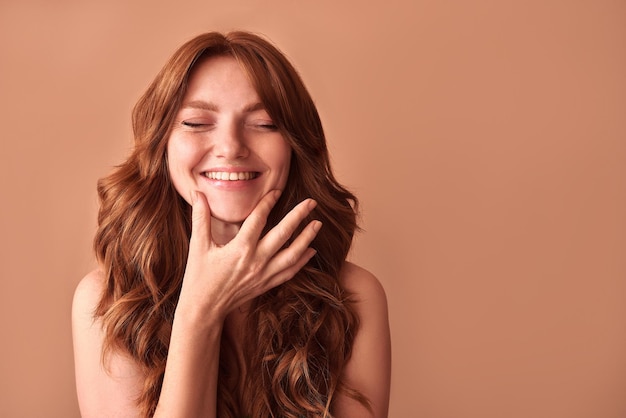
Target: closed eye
[263,126]
[194,124]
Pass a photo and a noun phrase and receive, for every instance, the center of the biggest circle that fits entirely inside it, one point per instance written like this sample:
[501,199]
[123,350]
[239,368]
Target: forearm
[218,279]
[190,380]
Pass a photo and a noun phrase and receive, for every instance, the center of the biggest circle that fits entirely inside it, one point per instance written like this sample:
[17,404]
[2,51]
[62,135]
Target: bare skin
[190,381]
[221,129]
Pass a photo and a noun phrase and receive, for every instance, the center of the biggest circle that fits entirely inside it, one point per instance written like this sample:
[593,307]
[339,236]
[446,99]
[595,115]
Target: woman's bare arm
[369,368]
[101,393]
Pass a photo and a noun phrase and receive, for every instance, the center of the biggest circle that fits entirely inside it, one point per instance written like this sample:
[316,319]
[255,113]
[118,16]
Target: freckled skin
[222,124]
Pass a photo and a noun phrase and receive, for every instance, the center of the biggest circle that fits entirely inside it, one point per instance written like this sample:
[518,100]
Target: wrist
[196,317]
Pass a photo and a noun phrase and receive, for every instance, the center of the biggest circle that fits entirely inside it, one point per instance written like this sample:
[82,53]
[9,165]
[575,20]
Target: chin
[233,208]
[230,216]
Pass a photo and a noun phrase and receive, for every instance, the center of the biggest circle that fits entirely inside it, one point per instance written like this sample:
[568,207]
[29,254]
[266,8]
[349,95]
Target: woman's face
[223,142]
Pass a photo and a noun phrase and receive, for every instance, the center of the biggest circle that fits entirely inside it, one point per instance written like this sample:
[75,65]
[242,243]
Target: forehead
[220,79]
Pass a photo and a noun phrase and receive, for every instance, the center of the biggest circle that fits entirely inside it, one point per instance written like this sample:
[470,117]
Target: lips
[231,176]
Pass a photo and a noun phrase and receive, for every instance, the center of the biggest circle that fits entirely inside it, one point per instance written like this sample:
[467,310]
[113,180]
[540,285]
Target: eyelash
[266,126]
[193,125]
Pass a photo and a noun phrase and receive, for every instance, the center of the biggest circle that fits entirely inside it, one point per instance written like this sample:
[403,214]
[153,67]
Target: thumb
[200,220]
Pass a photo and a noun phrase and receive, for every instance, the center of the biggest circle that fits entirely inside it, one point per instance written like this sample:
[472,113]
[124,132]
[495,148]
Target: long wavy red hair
[300,334]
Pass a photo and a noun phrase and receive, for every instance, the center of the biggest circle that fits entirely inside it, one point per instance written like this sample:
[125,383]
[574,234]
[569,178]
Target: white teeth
[226,176]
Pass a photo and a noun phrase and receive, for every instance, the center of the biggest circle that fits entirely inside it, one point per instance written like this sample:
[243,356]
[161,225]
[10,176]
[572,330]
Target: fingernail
[312,203]
[317,225]
[194,197]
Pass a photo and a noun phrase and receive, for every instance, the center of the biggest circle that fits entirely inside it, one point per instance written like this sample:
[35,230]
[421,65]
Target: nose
[229,142]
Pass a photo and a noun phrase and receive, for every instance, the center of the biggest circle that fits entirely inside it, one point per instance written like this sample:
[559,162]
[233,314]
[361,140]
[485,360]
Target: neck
[223,232]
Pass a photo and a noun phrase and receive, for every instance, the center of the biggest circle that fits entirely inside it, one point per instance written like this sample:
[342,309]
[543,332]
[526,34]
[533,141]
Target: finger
[288,273]
[200,221]
[278,236]
[255,222]
[291,257]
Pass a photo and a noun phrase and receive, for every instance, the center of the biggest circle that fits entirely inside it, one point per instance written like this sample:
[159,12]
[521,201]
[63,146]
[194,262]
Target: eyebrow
[201,104]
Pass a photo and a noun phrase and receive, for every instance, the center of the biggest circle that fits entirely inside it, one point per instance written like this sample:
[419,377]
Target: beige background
[486,139]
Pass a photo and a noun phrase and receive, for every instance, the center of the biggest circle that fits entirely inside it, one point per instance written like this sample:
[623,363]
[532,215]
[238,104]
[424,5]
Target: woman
[222,288]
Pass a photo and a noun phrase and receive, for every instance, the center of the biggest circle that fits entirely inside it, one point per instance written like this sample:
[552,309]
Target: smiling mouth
[231,176]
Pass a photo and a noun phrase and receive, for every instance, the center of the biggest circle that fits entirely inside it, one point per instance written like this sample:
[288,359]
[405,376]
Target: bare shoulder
[102,390]
[363,285]
[86,328]
[369,367]
[87,296]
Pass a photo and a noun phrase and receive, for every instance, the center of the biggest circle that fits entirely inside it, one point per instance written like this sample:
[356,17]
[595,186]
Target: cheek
[182,155]
[283,162]
[181,158]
